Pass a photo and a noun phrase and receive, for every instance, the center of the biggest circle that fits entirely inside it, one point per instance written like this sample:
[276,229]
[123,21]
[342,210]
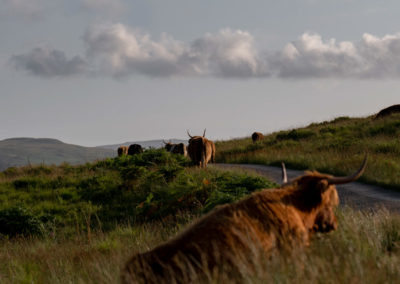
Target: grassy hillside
[132,189]
[335,147]
[80,224]
[22,151]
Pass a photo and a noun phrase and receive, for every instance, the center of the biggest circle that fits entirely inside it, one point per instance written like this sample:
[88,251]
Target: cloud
[48,62]
[118,51]
[228,54]
[311,57]
[121,52]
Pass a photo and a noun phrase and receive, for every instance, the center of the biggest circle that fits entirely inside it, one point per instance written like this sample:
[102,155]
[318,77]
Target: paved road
[355,194]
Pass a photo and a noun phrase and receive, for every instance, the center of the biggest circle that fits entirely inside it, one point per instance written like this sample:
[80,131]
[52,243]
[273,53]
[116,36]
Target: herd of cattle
[200,150]
[269,219]
[235,233]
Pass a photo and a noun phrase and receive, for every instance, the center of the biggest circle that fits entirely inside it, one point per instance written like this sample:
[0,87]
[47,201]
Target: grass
[80,224]
[335,147]
[151,186]
[365,249]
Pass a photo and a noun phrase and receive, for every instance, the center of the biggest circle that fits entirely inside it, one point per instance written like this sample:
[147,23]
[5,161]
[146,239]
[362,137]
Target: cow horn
[189,134]
[353,177]
[284,175]
[204,133]
[164,142]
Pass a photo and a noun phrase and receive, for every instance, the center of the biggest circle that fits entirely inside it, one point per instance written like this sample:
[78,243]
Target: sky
[96,72]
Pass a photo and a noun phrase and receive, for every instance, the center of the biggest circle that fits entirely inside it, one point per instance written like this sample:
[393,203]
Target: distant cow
[268,219]
[135,149]
[257,136]
[179,148]
[201,150]
[388,111]
[122,150]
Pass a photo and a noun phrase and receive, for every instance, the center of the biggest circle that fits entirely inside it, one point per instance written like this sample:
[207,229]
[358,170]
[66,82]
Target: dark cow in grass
[135,149]
[388,111]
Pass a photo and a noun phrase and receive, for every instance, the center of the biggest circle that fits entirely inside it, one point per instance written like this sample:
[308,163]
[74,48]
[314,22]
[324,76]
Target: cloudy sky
[95,72]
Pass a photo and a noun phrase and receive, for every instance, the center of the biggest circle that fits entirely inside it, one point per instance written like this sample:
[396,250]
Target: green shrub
[17,221]
[295,134]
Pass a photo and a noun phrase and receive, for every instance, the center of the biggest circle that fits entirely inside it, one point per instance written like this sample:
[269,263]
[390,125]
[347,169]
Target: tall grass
[364,249]
[335,147]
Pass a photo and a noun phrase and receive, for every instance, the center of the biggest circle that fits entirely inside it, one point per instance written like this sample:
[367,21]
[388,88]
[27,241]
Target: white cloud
[121,52]
[48,62]
[118,51]
[310,56]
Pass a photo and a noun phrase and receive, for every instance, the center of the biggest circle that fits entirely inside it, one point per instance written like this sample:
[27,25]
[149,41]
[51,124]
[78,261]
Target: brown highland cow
[257,136]
[267,220]
[122,150]
[201,150]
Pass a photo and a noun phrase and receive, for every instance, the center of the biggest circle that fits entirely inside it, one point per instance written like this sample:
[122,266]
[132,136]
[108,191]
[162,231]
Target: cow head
[315,195]
[191,137]
[168,146]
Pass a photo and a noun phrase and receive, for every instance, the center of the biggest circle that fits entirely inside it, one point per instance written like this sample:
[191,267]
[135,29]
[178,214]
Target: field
[335,147]
[80,224]
[365,249]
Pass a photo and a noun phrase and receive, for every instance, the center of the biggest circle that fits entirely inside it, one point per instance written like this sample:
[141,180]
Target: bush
[295,134]
[17,221]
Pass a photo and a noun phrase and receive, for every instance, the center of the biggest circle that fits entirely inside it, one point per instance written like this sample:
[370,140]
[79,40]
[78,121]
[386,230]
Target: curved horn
[284,175]
[353,177]
[164,142]
[189,134]
[204,133]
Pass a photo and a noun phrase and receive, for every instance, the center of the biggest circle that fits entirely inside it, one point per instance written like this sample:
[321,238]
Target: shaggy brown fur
[201,151]
[388,111]
[122,150]
[135,149]
[257,136]
[176,148]
[269,219]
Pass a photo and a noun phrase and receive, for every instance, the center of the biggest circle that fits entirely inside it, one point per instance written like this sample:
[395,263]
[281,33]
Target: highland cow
[267,220]
[388,111]
[135,149]
[122,150]
[201,150]
[257,136]
[179,148]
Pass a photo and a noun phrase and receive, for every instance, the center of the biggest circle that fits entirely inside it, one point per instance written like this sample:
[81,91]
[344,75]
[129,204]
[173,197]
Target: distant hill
[144,144]
[22,151]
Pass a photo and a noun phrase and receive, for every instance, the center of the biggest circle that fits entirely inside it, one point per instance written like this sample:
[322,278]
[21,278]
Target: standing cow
[122,150]
[135,149]
[257,136]
[201,150]
[388,111]
[179,148]
[266,220]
